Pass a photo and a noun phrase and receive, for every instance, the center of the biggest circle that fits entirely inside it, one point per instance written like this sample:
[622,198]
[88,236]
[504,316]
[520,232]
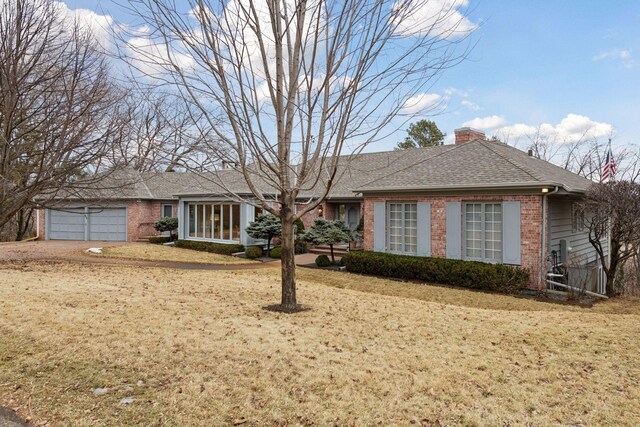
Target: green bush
[158,240]
[253,252]
[323,261]
[299,227]
[216,248]
[166,223]
[468,274]
[276,252]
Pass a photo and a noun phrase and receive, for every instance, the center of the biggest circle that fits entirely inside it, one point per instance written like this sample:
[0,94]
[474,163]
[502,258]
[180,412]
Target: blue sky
[568,66]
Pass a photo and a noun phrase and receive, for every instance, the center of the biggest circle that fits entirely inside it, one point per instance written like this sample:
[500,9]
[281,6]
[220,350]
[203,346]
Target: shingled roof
[478,164]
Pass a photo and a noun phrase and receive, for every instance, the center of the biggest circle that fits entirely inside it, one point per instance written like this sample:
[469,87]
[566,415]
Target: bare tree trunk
[24,219]
[288,263]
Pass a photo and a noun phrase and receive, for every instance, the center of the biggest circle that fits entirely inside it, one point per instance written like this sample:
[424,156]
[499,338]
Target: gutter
[524,185]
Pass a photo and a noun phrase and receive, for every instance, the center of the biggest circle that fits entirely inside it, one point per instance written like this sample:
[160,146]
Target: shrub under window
[216,248]
[468,274]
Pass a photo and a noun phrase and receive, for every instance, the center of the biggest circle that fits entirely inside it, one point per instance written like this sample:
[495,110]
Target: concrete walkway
[8,418]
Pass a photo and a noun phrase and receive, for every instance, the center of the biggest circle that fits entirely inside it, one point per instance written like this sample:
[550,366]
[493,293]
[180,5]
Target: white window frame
[483,230]
[200,232]
[403,227]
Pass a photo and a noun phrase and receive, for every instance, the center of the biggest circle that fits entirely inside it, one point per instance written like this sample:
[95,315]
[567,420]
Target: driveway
[74,251]
[50,250]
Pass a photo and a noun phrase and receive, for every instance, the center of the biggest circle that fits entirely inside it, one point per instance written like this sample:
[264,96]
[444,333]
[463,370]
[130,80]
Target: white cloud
[572,128]
[622,55]
[470,105]
[100,26]
[421,102]
[152,58]
[441,18]
[486,123]
[451,91]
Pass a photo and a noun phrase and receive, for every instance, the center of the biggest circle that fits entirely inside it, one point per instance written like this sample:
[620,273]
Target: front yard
[196,348]
[148,252]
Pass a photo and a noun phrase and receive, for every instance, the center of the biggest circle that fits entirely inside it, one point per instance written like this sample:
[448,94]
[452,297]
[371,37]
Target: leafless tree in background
[57,105]
[287,86]
[158,134]
[584,155]
[613,208]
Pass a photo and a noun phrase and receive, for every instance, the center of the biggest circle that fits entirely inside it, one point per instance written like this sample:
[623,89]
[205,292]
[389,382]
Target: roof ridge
[514,162]
[453,146]
[146,187]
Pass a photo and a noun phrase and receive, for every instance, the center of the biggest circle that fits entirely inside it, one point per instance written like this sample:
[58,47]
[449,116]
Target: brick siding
[530,230]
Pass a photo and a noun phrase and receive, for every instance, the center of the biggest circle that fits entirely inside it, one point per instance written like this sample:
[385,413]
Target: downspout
[37,236]
[543,249]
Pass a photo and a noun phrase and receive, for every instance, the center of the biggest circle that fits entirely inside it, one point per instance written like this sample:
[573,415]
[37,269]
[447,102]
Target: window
[192,220]
[577,218]
[403,228]
[483,231]
[167,210]
[214,221]
[342,213]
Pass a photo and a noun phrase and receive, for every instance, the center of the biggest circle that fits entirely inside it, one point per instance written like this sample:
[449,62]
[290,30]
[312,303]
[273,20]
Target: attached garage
[87,223]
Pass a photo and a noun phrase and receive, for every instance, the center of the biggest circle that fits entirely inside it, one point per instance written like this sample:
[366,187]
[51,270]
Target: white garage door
[88,224]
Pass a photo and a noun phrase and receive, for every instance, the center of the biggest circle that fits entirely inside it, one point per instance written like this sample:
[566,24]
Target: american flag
[609,169]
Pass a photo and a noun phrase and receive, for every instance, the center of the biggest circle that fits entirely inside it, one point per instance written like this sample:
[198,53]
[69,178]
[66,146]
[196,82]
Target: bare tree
[583,155]
[57,104]
[158,134]
[613,208]
[287,86]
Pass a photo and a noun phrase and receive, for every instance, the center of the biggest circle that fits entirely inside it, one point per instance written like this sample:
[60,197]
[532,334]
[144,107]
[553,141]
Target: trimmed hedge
[253,252]
[276,252]
[216,248]
[323,261]
[468,274]
[159,240]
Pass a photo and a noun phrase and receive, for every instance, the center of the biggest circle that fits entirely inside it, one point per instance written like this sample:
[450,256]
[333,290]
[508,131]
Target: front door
[349,213]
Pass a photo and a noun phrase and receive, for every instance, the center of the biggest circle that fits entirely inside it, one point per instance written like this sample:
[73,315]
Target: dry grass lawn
[208,353]
[151,252]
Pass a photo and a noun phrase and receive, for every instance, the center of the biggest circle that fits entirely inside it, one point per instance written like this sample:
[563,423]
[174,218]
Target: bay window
[214,221]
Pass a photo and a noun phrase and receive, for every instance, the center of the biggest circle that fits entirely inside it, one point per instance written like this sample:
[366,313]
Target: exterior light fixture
[545,190]
[320,211]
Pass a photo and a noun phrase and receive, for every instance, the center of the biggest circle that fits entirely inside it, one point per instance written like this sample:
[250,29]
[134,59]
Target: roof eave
[457,187]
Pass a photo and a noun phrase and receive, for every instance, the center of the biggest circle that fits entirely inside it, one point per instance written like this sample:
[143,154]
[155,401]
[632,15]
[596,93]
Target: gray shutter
[454,230]
[182,221]
[424,229]
[379,226]
[511,233]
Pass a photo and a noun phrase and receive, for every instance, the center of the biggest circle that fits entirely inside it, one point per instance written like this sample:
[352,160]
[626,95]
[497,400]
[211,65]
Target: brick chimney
[468,134]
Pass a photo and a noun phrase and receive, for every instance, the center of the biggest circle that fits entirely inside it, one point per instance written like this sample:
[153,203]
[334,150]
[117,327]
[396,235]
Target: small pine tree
[167,223]
[326,232]
[266,226]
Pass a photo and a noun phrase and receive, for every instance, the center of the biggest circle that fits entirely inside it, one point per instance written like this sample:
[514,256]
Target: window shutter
[454,230]
[182,222]
[424,229]
[379,226]
[511,233]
